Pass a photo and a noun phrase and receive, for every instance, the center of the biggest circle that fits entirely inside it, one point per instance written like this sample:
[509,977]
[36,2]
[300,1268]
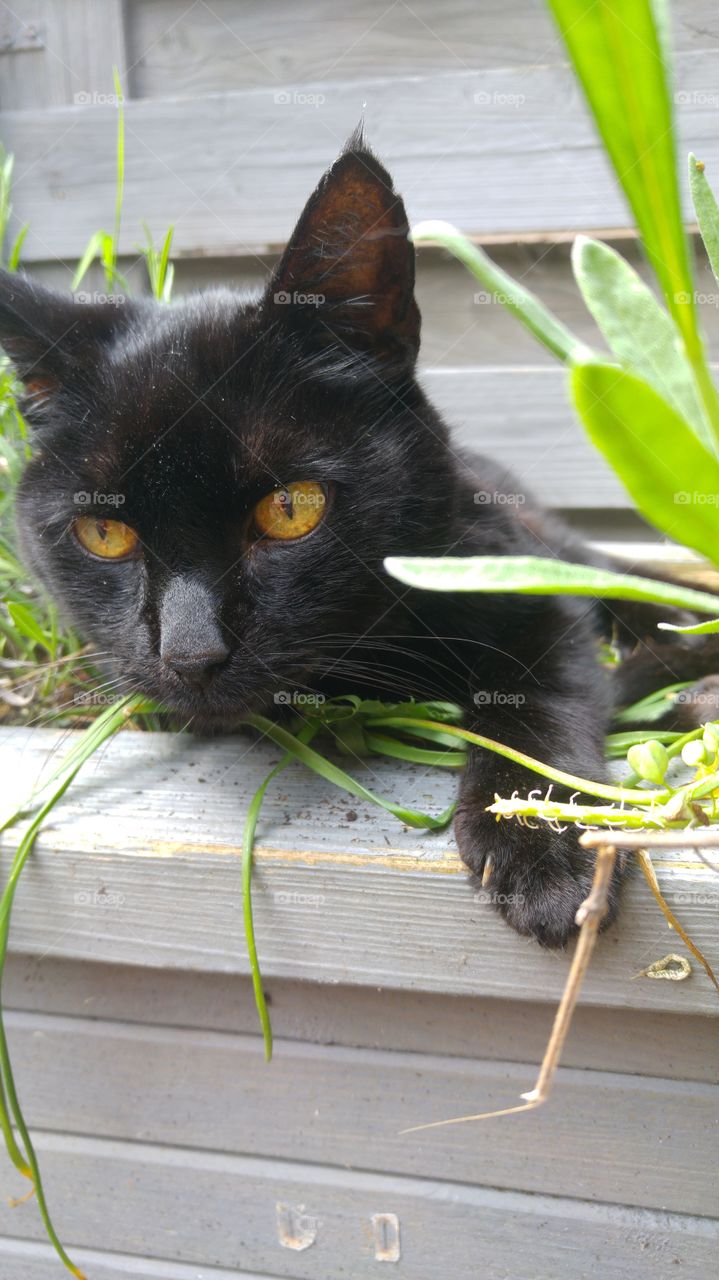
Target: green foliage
[523,304]
[655,416]
[6,171]
[672,478]
[637,329]
[619,55]
[160,270]
[707,211]
[533,575]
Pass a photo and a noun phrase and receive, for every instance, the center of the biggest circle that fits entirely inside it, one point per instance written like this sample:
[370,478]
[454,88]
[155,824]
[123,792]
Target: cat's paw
[537,878]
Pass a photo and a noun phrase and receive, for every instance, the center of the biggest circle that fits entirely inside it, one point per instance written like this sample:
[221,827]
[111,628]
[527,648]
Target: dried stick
[589,918]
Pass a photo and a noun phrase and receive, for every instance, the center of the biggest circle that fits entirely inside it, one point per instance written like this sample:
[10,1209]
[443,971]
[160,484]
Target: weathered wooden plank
[347,1107]
[60,52]
[522,419]
[220,1210]
[202,48]
[140,865]
[462,325]
[22,55]
[675,1046]
[36,1261]
[232,170]
[517,413]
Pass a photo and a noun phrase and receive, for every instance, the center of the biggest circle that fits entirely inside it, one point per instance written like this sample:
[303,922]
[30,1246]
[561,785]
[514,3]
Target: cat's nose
[191,640]
[196,669]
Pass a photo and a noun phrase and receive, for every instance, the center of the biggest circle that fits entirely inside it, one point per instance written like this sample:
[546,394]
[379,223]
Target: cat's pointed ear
[51,337]
[347,274]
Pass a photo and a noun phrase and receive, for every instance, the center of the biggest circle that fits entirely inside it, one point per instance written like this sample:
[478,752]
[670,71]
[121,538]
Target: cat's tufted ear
[347,274]
[52,337]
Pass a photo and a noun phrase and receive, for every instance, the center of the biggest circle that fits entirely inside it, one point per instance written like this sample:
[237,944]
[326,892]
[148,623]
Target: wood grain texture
[140,865]
[178,49]
[506,151]
[33,1260]
[219,1210]
[70,59]
[638,1042]
[347,1107]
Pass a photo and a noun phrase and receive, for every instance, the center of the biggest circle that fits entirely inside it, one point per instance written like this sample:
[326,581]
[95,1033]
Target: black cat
[215,485]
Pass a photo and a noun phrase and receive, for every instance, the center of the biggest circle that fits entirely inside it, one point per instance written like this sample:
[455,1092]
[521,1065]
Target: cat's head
[214,484]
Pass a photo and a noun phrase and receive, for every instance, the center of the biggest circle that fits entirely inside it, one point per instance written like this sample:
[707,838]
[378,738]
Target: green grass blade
[699,629]
[637,328]
[13,261]
[94,248]
[381,745]
[669,474]
[331,773]
[120,176]
[616,47]
[707,211]
[248,844]
[164,274]
[524,304]
[8,1082]
[617,744]
[24,620]
[534,575]
[603,790]
[651,708]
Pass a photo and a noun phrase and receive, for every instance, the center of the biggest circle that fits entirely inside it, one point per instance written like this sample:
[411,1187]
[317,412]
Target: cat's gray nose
[196,669]
[191,642]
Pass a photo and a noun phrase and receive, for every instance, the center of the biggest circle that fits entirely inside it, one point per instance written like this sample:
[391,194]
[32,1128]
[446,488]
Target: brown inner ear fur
[39,389]
[351,247]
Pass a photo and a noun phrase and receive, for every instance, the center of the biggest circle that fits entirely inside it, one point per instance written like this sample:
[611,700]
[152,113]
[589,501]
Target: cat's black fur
[193,412]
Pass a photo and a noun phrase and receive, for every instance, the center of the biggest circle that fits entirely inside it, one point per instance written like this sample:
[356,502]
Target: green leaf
[94,248]
[617,49]
[707,211]
[23,618]
[331,773]
[617,744]
[699,628]
[669,474]
[651,708]
[637,328]
[533,575]
[111,259]
[13,261]
[525,305]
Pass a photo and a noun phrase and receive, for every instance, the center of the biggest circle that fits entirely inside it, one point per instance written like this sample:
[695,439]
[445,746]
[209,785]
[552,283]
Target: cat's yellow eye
[291,512]
[109,539]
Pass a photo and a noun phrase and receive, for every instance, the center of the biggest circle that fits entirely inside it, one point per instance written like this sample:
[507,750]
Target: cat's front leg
[535,877]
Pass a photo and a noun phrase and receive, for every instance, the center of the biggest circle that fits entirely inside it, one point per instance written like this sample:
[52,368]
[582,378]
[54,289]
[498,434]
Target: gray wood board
[651,1142]
[33,1260]
[462,325]
[507,151]
[640,1042]
[176,49]
[221,1210]
[140,865]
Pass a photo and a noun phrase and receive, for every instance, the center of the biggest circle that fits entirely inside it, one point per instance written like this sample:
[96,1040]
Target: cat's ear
[347,274]
[52,337]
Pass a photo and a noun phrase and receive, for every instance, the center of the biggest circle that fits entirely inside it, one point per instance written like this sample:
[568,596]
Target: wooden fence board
[676,1046]
[155,881]
[347,1107]
[232,170]
[219,1210]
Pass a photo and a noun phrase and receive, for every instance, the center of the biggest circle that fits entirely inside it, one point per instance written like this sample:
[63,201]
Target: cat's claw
[539,877]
